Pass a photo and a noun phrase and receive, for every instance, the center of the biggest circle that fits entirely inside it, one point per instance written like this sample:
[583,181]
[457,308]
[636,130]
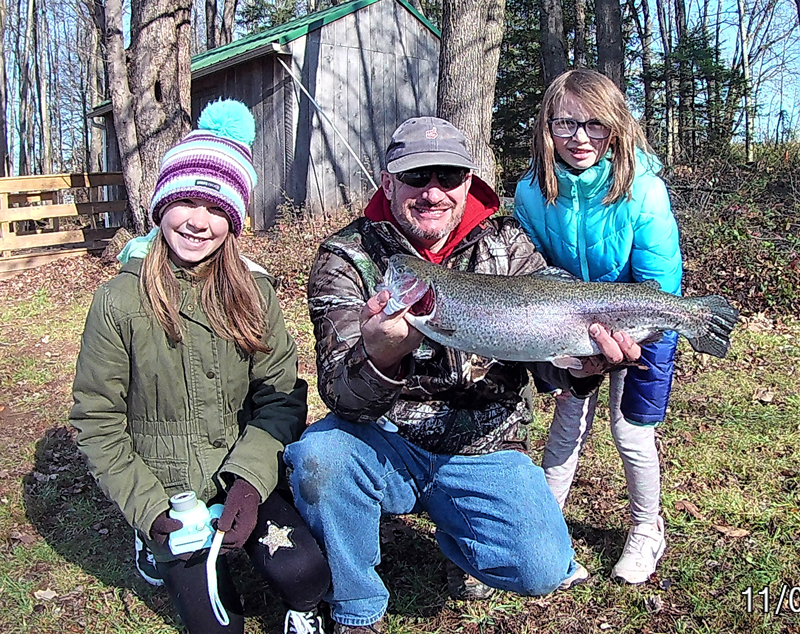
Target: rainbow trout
[546,316]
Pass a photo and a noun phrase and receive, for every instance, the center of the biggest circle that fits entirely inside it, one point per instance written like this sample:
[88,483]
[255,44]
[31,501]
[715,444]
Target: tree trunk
[95,92]
[211,24]
[579,45]
[228,17]
[24,117]
[96,76]
[150,94]
[554,47]
[644,30]
[744,42]
[669,124]
[472,32]
[124,122]
[5,163]
[610,60]
[685,84]
[39,58]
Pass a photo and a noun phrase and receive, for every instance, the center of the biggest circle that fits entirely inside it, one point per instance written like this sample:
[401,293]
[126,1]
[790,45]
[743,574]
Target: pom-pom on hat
[214,162]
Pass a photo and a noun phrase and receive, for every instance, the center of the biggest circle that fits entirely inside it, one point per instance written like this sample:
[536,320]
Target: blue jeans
[495,515]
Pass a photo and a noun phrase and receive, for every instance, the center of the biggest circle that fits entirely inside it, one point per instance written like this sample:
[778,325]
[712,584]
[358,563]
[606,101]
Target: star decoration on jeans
[277,537]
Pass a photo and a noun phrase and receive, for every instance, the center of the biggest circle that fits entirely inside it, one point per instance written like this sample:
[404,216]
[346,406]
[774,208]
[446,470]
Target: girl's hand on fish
[387,338]
[616,349]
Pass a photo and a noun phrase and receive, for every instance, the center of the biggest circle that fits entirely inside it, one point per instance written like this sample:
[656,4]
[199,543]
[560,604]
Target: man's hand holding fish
[388,339]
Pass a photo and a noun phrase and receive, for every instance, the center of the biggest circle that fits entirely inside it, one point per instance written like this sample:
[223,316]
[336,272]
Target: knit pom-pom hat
[214,162]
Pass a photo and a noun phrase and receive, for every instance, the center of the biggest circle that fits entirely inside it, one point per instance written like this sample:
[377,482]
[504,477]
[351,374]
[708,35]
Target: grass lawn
[731,491]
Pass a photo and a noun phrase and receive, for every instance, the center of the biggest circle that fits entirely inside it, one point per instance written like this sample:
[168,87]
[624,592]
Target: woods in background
[698,75]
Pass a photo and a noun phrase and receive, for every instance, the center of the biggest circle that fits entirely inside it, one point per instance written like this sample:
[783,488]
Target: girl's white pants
[636,444]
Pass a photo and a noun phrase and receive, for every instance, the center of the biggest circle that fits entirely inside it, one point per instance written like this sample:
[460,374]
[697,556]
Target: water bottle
[197,532]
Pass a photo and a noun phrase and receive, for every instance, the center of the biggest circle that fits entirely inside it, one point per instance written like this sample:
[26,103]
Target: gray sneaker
[465,587]
[375,628]
[578,576]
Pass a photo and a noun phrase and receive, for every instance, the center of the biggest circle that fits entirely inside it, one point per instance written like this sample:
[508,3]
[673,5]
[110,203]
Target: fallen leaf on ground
[763,395]
[22,537]
[653,604]
[45,595]
[691,509]
[730,531]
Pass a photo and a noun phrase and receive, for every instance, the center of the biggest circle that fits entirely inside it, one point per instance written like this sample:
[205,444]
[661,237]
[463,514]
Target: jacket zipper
[581,234]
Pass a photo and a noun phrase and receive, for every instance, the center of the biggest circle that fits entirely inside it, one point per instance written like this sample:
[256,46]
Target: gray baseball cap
[427,141]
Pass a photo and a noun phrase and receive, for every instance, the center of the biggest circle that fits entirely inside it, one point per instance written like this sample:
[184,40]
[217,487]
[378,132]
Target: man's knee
[322,460]
[543,578]
[541,567]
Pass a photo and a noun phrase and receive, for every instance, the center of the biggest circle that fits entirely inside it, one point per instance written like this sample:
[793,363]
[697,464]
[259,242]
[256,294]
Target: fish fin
[715,339]
[652,284]
[567,362]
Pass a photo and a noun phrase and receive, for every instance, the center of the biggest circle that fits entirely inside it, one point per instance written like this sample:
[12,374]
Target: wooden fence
[54,216]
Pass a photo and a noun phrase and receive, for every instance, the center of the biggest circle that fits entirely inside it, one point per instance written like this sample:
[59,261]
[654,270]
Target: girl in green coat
[187,381]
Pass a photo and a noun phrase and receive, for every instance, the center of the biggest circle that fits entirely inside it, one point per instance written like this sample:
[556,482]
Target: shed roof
[271,41]
[285,33]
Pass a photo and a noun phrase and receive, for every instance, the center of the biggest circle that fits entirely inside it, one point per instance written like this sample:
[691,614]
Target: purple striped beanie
[214,163]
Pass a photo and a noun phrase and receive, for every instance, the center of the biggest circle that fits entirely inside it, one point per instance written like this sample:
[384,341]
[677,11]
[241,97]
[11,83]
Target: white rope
[335,129]
[211,574]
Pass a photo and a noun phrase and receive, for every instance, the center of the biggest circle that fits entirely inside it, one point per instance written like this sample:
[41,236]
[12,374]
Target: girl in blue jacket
[594,205]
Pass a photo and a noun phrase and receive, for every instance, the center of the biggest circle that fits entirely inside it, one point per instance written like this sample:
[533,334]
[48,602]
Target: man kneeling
[416,426]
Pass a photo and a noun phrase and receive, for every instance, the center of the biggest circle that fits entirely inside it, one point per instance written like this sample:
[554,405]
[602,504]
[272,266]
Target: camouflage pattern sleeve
[522,258]
[349,384]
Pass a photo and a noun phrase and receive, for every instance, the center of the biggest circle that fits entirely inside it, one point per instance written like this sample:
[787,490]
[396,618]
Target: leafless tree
[41,73]
[149,91]
[579,43]
[553,46]
[666,42]
[472,31]
[5,164]
[610,60]
[644,30]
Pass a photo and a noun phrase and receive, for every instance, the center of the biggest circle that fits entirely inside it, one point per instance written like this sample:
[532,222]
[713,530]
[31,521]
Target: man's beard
[415,231]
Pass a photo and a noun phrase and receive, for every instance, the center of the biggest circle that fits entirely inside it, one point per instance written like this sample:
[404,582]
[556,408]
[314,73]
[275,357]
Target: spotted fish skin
[546,317]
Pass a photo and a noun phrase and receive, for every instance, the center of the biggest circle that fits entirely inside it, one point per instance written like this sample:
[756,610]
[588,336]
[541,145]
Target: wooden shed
[368,64]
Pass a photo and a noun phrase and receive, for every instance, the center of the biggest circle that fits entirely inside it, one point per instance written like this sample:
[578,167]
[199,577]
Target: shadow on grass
[72,514]
[607,543]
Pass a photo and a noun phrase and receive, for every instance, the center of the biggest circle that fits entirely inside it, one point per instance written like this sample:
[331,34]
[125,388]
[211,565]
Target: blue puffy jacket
[631,240]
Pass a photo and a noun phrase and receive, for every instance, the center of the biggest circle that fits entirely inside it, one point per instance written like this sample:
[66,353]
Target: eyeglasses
[448,177]
[565,128]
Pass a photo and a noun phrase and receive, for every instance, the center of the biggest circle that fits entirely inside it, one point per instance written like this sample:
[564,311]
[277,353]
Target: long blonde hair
[600,96]
[230,297]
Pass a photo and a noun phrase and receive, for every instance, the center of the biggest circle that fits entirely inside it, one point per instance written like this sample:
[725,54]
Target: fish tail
[715,336]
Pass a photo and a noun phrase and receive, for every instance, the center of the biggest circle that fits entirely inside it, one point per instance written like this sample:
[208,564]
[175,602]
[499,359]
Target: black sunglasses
[448,177]
[565,128]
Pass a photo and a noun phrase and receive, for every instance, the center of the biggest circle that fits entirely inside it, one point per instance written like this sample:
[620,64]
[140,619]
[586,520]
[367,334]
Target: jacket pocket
[164,448]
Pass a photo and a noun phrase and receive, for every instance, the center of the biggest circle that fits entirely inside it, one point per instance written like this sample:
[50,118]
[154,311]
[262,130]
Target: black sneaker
[303,622]
[145,562]
[465,587]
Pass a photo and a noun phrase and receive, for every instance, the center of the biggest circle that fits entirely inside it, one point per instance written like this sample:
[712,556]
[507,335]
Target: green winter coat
[155,418]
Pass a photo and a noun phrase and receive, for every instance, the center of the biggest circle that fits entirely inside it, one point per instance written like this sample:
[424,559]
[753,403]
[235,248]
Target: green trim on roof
[421,18]
[285,33]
